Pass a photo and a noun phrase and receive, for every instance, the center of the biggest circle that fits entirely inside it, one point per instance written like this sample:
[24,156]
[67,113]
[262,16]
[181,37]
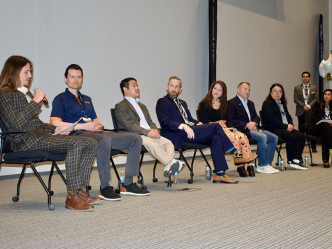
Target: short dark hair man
[173,113]
[305,96]
[133,116]
[71,105]
[242,114]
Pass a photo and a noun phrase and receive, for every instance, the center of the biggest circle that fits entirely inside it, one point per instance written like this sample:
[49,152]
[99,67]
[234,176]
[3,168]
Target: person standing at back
[305,96]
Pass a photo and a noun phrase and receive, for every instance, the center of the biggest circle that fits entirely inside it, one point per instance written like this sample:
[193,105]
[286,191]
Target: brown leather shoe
[250,156]
[76,203]
[240,160]
[88,199]
[224,179]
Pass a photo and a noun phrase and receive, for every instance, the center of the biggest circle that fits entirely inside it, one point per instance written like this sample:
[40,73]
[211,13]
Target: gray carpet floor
[290,209]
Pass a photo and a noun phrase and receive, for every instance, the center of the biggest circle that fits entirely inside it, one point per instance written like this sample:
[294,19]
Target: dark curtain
[321,51]
[212,40]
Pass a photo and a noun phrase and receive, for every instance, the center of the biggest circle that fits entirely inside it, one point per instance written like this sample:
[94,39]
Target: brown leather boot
[76,203]
[88,199]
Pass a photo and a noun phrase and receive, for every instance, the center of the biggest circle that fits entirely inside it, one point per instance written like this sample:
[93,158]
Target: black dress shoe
[251,171]
[242,171]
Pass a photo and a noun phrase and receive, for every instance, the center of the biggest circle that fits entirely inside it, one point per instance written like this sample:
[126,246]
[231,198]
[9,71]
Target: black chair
[140,179]
[310,139]
[29,158]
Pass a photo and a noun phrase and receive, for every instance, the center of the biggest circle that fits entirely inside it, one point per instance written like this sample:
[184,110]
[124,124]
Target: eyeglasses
[276,91]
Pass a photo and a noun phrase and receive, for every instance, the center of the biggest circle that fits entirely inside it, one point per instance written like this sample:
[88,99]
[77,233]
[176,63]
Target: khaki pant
[162,148]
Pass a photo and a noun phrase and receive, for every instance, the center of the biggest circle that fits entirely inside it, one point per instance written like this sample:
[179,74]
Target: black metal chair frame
[29,158]
[309,139]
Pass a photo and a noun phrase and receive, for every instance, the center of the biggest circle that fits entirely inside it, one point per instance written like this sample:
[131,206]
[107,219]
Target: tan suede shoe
[224,179]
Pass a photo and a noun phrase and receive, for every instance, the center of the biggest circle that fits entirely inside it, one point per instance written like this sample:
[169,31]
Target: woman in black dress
[321,111]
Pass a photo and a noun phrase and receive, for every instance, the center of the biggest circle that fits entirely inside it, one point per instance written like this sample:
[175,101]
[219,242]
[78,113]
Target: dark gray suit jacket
[127,117]
[299,100]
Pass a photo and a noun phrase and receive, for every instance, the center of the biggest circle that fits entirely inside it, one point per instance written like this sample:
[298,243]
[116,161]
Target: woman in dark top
[321,110]
[213,109]
[277,120]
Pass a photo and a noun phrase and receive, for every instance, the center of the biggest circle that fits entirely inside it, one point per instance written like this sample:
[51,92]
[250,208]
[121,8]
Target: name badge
[87,119]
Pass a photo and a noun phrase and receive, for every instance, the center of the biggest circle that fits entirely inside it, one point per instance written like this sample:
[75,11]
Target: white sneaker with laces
[265,169]
[295,165]
[273,169]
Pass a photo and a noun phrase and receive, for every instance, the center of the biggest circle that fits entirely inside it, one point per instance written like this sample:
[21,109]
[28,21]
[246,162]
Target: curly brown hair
[222,99]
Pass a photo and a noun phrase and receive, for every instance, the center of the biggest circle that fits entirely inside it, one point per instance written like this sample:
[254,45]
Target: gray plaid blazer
[18,114]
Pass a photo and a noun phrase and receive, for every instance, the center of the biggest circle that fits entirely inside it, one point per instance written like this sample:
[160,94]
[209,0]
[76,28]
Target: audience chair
[310,139]
[29,158]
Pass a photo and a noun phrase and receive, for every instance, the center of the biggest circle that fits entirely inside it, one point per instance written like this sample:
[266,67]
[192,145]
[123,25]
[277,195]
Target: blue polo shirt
[67,108]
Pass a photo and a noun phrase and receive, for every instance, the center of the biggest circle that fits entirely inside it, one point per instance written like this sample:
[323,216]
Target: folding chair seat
[29,158]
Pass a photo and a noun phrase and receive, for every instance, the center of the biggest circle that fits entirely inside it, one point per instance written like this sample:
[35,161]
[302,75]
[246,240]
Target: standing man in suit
[305,96]
[174,114]
[70,106]
[242,114]
[133,116]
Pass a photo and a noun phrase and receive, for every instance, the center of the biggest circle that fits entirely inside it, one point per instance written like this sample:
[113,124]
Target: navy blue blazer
[170,117]
[238,115]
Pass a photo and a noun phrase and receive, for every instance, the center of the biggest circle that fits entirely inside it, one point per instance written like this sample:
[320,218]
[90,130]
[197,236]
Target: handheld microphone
[44,100]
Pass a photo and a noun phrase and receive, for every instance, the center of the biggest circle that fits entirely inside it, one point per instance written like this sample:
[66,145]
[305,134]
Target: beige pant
[162,148]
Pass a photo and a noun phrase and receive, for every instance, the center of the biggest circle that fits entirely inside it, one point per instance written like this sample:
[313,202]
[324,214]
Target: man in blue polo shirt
[70,106]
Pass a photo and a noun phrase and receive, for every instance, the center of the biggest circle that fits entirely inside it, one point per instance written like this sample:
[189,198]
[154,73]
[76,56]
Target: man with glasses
[242,114]
[305,96]
[70,106]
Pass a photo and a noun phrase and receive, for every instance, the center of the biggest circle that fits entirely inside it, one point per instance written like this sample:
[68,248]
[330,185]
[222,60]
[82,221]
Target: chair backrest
[5,140]
[115,124]
[198,115]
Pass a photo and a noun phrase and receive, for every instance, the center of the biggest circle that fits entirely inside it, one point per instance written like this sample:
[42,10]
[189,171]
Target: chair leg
[154,179]
[207,163]
[310,152]
[279,156]
[140,176]
[60,173]
[50,176]
[17,197]
[190,181]
[117,176]
[49,193]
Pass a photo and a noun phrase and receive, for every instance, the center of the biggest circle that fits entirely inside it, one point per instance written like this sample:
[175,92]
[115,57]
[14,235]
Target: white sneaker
[265,169]
[295,165]
[271,168]
[182,164]
[173,167]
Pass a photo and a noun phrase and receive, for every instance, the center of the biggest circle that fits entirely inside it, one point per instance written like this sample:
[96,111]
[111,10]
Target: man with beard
[174,115]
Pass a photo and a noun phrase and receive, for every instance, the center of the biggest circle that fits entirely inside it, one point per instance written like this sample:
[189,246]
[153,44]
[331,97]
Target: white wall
[268,41]
[150,40]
